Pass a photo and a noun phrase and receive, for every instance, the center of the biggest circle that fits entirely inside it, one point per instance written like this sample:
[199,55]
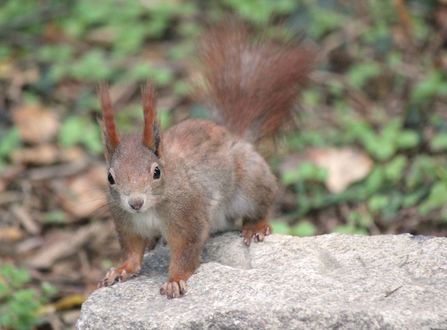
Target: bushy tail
[252,85]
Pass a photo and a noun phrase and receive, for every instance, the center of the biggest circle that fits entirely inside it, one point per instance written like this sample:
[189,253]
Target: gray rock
[325,282]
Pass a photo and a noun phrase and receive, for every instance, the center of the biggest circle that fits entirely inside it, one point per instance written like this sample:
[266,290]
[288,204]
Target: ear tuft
[151,134]
[110,135]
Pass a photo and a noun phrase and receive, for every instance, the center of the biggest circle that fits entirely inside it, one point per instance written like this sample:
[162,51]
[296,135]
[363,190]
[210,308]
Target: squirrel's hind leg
[255,230]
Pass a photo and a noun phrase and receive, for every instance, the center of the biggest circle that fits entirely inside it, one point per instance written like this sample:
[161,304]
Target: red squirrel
[200,177]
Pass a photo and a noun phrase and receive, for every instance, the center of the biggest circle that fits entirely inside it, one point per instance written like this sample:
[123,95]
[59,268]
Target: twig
[10,197]
[57,171]
[25,219]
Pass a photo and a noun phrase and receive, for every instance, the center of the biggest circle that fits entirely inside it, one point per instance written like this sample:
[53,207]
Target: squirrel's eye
[110,179]
[157,172]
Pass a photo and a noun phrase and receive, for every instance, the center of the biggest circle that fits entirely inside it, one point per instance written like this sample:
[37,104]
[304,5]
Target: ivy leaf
[304,228]
[436,199]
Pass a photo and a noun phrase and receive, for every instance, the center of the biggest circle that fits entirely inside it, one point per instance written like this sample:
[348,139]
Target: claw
[173,289]
[256,231]
[115,275]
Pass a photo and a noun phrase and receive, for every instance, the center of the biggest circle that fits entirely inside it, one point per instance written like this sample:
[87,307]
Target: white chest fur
[146,224]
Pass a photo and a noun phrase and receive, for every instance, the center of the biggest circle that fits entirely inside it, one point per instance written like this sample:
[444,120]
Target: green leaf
[360,73]
[360,219]
[381,146]
[351,230]
[161,76]
[4,290]
[139,71]
[436,199]
[407,139]
[394,170]
[260,11]
[127,43]
[305,171]
[48,289]
[92,66]
[304,228]
[439,142]
[379,149]
[182,88]
[422,170]
[375,180]
[165,119]
[395,199]
[413,198]
[311,97]
[9,141]
[377,202]
[55,53]
[76,130]
[279,227]
[323,20]
[16,277]
[335,87]
[54,217]
[432,85]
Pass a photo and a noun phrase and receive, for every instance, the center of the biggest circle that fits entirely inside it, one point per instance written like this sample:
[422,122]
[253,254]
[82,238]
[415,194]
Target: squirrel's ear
[109,135]
[151,132]
[108,150]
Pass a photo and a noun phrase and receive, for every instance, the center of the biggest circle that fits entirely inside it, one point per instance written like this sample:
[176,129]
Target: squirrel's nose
[136,203]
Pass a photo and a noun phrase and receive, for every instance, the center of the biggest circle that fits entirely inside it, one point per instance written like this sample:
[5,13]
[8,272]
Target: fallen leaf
[102,35]
[47,154]
[84,194]
[344,166]
[10,234]
[35,124]
[54,33]
[441,16]
[26,219]
[62,244]
[71,316]
[7,69]
[68,302]
[72,154]
[44,154]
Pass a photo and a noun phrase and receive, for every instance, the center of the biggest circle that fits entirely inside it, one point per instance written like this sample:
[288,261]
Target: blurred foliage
[385,92]
[379,87]
[19,305]
[401,124]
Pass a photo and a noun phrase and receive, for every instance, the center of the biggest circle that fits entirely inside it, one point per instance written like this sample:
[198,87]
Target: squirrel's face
[135,176]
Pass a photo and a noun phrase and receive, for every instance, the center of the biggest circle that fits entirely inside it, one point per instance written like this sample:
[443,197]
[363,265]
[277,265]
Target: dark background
[366,153]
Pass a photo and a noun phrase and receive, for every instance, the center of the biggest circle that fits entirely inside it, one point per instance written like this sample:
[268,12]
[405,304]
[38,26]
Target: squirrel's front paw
[173,289]
[115,275]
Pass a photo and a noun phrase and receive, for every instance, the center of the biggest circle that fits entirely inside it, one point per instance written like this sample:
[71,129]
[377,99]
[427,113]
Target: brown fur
[252,84]
[107,115]
[207,177]
[150,132]
[257,230]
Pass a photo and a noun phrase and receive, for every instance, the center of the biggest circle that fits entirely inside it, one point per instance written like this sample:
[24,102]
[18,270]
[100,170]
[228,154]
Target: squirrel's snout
[136,203]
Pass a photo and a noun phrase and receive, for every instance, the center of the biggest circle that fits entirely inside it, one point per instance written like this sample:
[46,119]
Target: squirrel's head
[135,172]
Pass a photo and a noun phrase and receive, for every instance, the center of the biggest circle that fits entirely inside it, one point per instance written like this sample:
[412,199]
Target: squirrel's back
[227,172]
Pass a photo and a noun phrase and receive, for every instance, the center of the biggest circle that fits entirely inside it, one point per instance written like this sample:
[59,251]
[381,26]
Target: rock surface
[323,282]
